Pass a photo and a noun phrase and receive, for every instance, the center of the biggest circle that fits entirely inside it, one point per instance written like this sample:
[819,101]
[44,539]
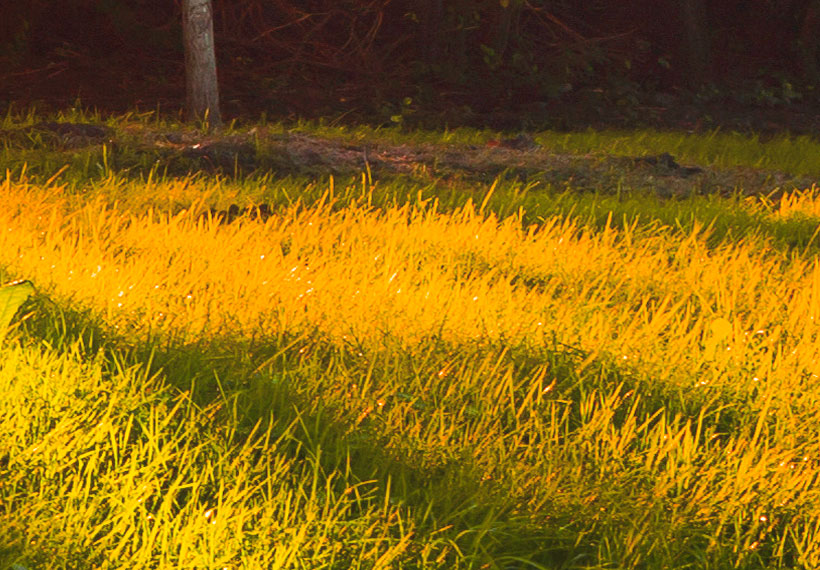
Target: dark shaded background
[499,63]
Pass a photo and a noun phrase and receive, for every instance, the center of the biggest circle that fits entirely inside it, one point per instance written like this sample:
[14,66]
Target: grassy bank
[398,372]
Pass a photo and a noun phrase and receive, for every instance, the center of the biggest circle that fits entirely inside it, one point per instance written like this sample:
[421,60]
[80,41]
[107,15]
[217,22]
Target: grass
[402,373]
[797,155]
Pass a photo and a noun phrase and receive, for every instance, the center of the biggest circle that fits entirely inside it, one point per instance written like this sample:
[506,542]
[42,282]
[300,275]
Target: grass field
[409,371]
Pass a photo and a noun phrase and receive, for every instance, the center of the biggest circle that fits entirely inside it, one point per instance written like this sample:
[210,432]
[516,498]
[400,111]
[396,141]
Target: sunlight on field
[637,384]
[800,203]
[643,295]
[181,496]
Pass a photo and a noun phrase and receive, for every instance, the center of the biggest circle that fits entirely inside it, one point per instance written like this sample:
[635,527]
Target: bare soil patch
[303,154]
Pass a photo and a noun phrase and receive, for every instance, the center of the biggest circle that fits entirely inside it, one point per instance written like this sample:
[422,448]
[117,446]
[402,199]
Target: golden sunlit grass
[411,272]
[418,386]
[111,470]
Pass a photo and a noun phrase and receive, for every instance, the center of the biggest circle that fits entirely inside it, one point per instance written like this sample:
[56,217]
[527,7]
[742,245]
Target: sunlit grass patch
[645,292]
[105,466]
[800,203]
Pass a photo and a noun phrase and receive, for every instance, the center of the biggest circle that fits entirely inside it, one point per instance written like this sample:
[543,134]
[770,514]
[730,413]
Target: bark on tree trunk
[202,90]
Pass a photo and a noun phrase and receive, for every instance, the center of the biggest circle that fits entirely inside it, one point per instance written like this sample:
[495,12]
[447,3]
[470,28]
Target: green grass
[798,155]
[399,372]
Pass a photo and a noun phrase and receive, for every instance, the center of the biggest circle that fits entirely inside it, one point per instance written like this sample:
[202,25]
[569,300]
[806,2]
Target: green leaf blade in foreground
[12,296]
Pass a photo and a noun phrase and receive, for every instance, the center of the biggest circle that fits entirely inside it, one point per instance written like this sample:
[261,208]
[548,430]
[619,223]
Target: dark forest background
[499,63]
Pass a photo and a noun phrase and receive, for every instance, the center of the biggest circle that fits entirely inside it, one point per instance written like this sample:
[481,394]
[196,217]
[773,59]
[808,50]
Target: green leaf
[12,296]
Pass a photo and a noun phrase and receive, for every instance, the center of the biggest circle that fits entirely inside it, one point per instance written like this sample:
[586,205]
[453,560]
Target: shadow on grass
[319,386]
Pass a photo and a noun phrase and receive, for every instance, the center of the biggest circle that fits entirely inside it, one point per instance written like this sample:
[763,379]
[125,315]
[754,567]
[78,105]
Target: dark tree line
[314,56]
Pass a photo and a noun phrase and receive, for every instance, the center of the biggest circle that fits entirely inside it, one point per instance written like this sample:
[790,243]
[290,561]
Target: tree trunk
[696,41]
[807,44]
[432,14]
[507,27]
[202,90]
